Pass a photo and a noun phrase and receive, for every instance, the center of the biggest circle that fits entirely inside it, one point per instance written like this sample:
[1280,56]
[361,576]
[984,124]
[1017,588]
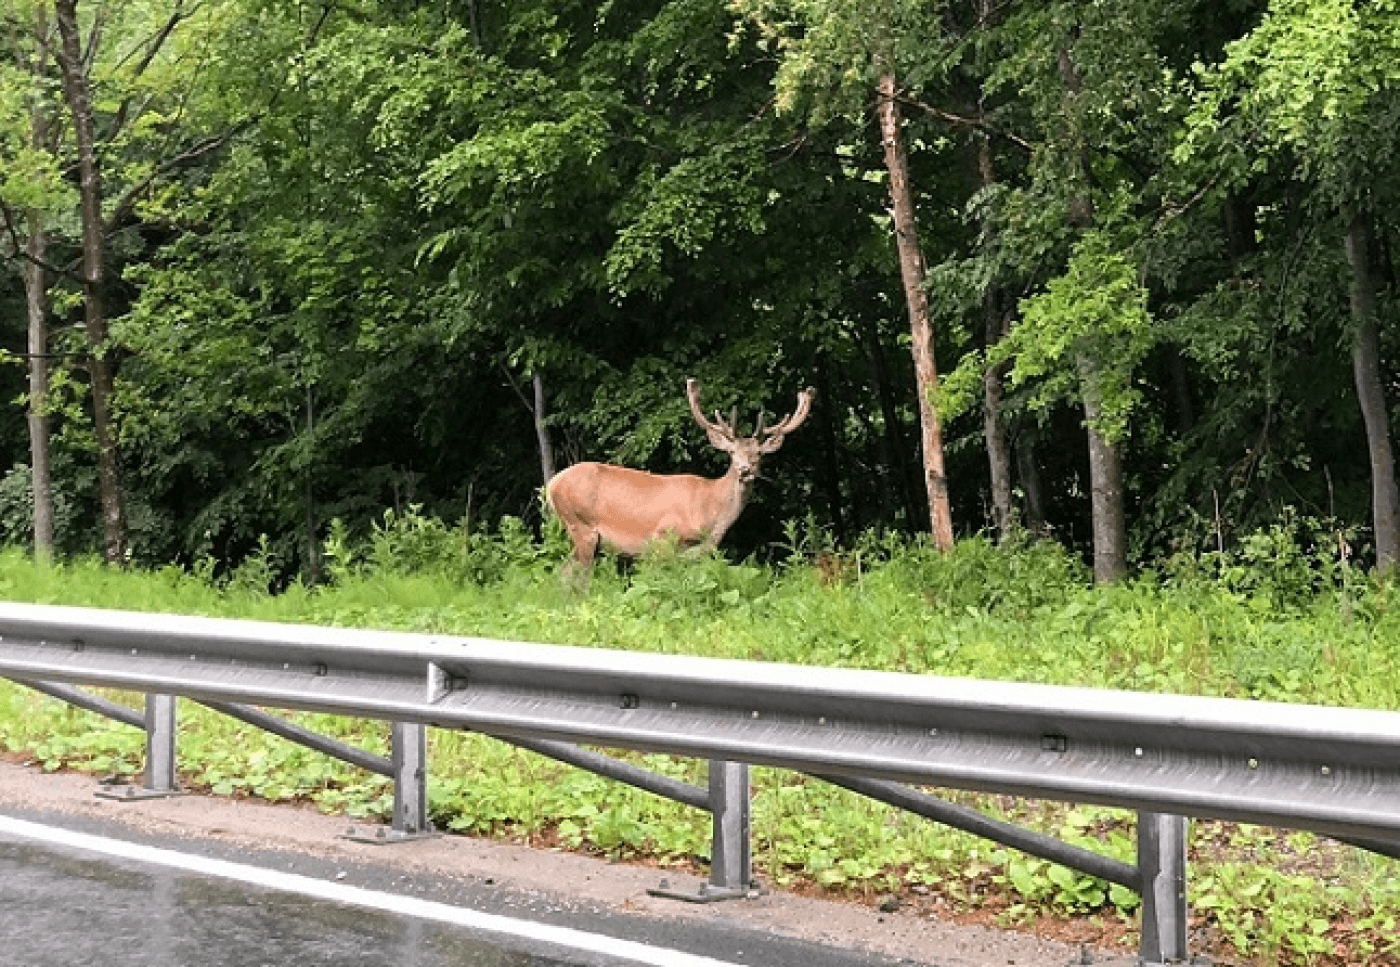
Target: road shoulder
[544,884]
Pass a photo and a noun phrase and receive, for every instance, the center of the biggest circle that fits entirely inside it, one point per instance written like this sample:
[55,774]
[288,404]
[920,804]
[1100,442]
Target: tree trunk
[830,464]
[890,441]
[37,303]
[76,93]
[1105,484]
[1370,392]
[36,298]
[542,430]
[1028,471]
[1181,390]
[314,562]
[911,266]
[994,425]
[1105,456]
[993,389]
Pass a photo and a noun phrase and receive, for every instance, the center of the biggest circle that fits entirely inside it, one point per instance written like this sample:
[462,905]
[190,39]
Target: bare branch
[89,56]
[153,47]
[18,251]
[124,207]
[980,124]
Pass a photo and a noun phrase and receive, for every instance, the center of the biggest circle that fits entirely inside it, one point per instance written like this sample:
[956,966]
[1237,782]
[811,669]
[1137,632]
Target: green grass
[1304,631]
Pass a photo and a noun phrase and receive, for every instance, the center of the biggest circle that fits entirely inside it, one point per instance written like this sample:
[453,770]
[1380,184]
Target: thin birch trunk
[1028,472]
[1105,482]
[314,563]
[994,433]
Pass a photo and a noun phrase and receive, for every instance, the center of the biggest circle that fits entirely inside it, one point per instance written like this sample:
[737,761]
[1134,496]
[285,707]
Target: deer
[625,510]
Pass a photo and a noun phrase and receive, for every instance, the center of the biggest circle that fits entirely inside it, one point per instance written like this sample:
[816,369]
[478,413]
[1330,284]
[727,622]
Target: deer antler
[773,436]
[715,428]
[723,434]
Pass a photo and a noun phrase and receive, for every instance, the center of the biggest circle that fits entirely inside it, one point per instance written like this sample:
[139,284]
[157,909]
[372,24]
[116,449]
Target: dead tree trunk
[78,96]
[1370,392]
[912,270]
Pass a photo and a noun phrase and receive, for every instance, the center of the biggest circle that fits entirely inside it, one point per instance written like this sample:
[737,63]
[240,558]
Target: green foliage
[1290,917]
[1095,315]
[17,509]
[1315,82]
[1287,564]
[413,543]
[667,582]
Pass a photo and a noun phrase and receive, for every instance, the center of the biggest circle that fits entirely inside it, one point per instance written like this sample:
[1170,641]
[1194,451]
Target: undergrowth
[1280,617]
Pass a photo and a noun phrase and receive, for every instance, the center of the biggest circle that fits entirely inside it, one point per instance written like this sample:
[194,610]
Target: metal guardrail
[1333,771]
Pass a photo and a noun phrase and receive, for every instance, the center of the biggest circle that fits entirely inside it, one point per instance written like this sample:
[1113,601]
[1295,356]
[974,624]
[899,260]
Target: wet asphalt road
[66,906]
[61,907]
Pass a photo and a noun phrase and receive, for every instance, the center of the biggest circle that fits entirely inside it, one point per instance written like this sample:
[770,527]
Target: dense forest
[1123,273]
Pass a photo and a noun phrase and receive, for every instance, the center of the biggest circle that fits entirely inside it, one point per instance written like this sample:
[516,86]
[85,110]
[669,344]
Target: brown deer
[624,510]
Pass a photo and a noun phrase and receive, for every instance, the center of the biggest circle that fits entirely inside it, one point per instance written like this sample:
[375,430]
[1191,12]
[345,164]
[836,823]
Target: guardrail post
[410,761]
[729,804]
[159,724]
[160,744]
[1162,866]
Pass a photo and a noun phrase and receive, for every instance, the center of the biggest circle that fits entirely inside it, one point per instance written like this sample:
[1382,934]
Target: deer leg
[586,540]
[577,571]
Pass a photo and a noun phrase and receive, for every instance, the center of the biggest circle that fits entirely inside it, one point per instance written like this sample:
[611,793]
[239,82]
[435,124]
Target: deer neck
[729,494]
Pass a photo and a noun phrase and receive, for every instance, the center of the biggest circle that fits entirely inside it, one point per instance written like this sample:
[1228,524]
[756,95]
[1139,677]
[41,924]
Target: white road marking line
[356,896]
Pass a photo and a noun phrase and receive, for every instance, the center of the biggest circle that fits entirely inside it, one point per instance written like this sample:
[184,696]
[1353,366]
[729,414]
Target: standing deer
[624,509]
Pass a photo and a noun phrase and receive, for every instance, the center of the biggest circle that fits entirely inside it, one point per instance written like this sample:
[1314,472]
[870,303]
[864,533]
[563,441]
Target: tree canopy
[349,249]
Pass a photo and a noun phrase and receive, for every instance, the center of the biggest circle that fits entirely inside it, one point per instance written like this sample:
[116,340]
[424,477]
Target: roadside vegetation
[1282,617]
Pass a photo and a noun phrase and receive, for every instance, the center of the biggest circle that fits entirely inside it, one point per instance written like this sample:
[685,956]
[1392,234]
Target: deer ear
[772,444]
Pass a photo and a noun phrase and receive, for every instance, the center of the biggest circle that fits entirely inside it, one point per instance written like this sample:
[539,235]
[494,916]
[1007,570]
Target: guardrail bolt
[628,700]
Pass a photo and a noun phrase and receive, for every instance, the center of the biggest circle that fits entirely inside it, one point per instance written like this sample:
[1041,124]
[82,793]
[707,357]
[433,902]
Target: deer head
[747,453]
